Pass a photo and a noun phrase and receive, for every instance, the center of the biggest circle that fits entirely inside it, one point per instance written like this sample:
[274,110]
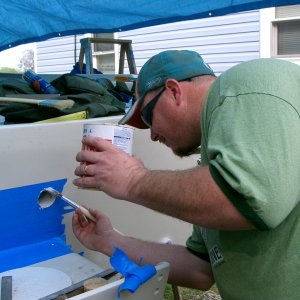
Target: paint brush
[48,195]
[53,103]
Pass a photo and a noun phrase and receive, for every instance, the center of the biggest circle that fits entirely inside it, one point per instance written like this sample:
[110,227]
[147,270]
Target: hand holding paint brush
[48,195]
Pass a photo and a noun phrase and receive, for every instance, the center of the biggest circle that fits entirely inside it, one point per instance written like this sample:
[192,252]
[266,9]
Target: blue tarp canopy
[36,20]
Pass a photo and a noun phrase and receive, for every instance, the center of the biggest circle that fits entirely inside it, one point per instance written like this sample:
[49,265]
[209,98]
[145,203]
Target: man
[243,199]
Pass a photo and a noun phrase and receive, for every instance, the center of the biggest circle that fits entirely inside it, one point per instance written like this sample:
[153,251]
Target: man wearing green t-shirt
[243,197]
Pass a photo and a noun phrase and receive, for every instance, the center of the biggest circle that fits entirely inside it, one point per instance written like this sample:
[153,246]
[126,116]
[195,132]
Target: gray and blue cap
[175,64]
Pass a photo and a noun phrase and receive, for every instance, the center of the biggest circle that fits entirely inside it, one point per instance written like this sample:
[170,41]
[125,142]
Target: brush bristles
[51,191]
[58,104]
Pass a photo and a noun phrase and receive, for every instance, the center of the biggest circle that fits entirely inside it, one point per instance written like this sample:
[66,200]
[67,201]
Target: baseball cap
[175,64]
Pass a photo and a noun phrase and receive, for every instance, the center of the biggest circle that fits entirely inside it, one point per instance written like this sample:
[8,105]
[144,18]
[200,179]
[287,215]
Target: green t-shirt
[251,142]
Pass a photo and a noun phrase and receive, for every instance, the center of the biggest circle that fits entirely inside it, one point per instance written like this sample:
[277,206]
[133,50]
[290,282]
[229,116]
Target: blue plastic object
[76,69]
[134,274]
[38,83]
[2,120]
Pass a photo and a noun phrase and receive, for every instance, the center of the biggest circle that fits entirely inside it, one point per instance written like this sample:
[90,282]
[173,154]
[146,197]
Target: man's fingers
[86,155]
[98,143]
[85,169]
[96,213]
[86,182]
[76,223]
[82,219]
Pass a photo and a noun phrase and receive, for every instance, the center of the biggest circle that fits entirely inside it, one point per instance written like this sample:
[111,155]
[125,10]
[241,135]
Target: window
[286,31]
[104,54]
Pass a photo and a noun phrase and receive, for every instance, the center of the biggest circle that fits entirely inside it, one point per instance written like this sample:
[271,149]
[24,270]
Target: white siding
[56,56]
[222,41]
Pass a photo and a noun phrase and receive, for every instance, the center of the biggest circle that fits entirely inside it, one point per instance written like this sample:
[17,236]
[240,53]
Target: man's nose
[154,136]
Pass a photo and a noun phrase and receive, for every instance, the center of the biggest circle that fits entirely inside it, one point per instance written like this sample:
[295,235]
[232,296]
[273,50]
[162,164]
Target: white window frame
[275,37]
[100,53]
[268,35]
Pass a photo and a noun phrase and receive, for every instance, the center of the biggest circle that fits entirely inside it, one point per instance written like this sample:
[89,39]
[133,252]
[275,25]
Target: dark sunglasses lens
[146,115]
[147,111]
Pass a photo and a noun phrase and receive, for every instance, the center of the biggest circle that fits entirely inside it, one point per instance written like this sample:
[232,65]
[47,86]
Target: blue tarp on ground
[36,20]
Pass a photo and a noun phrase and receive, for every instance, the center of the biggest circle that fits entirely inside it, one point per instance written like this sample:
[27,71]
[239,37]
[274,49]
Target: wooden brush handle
[87,214]
[20,100]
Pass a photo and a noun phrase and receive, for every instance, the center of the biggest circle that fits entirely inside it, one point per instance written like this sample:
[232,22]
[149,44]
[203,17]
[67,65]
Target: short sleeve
[252,148]
[195,242]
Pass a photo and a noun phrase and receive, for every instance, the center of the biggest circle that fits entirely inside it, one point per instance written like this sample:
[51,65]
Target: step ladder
[125,49]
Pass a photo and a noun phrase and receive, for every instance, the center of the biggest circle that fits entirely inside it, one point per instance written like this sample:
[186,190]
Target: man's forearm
[190,195]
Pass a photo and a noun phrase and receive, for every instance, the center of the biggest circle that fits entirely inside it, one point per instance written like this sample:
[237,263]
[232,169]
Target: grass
[187,294]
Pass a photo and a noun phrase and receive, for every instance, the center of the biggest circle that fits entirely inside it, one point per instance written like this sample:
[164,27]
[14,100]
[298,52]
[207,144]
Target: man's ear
[175,89]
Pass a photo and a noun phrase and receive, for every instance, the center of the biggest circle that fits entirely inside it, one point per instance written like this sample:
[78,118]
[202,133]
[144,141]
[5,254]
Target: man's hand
[95,236]
[107,168]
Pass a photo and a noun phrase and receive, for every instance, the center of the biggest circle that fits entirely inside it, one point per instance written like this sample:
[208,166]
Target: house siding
[56,56]
[222,41]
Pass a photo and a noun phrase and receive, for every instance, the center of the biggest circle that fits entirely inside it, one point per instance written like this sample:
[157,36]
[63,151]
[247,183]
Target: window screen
[288,38]
[286,31]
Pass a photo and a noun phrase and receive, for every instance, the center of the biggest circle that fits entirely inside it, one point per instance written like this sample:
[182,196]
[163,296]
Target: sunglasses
[146,113]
